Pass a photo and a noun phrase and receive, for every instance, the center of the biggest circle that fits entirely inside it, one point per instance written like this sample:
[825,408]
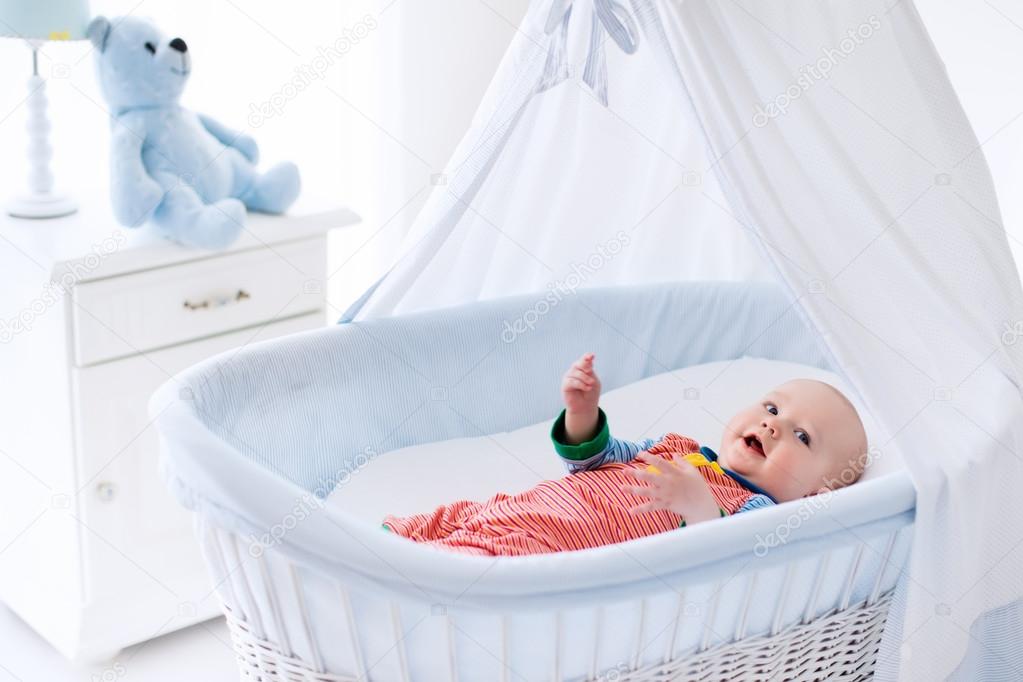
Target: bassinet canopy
[819,144]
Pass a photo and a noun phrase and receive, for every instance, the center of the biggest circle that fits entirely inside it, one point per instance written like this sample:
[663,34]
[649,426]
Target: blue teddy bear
[192,176]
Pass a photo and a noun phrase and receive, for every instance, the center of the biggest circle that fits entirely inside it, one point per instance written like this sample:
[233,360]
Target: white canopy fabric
[819,143]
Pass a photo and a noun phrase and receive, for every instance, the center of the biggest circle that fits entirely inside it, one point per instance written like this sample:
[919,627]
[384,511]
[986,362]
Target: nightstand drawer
[140,555]
[133,313]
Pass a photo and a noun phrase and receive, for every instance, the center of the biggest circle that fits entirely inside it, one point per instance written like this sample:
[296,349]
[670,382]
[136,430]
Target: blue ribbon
[609,18]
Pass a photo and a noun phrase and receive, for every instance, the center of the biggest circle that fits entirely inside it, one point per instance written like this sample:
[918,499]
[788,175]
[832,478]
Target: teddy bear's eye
[151,48]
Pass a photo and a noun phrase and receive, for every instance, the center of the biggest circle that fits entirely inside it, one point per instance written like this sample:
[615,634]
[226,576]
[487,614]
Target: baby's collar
[752,487]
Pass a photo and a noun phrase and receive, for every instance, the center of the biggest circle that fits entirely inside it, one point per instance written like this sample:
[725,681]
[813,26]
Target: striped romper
[585,509]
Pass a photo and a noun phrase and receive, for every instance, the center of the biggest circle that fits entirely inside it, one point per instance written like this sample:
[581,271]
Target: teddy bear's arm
[134,194]
[231,138]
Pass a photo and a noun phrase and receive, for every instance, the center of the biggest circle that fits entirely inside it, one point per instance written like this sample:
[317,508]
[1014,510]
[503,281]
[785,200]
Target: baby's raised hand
[580,387]
[674,485]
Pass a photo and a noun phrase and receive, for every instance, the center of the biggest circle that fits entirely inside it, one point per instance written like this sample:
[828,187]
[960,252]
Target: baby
[802,438]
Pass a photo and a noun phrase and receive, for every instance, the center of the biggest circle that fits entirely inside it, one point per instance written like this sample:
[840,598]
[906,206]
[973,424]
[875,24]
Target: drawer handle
[106,491]
[242,295]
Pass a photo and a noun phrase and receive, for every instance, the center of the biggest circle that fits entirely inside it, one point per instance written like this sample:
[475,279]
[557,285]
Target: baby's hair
[855,464]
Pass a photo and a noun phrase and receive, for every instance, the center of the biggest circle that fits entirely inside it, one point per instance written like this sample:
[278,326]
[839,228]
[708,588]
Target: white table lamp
[37,21]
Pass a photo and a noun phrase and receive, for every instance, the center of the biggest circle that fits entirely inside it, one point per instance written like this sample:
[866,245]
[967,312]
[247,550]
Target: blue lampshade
[44,19]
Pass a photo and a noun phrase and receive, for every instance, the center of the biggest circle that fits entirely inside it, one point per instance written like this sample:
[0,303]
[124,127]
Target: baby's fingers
[585,363]
[581,376]
[641,490]
[646,458]
[577,384]
[646,491]
[653,505]
[581,371]
[681,462]
[645,474]
[681,467]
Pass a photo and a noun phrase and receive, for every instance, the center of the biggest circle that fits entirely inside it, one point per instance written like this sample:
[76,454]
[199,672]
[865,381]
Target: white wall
[386,114]
[982,46]
[434,61]
[370,129]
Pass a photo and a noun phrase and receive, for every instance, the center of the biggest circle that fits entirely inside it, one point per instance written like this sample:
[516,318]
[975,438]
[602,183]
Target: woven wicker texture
[841,645]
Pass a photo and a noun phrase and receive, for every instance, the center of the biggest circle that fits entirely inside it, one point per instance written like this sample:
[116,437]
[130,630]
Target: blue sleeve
[601,449]
[755,502]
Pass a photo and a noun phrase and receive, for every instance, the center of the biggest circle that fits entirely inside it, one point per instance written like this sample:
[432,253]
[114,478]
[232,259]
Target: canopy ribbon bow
[609,17]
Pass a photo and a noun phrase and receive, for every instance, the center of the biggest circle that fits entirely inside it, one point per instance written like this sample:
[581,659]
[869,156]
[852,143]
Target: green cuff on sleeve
[386,527]
[583,450]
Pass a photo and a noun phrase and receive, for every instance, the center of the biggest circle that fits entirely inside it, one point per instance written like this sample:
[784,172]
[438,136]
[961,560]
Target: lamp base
[42,206]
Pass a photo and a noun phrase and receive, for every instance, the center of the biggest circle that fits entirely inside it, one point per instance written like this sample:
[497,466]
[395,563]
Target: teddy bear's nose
[179,45]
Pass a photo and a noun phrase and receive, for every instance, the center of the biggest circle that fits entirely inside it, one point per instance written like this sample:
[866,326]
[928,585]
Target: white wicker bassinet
[253,438]
[840,644]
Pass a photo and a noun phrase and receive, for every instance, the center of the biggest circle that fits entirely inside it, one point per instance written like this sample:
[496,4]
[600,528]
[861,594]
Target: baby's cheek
[775,476]
[731,430]
[783,465]
[800,474]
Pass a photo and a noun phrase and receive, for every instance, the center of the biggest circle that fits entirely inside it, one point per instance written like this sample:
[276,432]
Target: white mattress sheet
[696,401]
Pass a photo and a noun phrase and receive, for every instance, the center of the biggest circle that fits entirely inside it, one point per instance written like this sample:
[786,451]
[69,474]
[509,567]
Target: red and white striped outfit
[585,509]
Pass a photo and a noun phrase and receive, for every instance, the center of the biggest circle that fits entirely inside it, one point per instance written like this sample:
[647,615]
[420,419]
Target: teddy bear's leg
[185,218]
[274,190]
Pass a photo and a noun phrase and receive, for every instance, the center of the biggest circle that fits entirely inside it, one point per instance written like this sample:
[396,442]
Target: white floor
[200,653]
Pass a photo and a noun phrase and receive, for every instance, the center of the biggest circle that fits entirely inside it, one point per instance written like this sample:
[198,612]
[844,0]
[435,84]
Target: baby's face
[795,440]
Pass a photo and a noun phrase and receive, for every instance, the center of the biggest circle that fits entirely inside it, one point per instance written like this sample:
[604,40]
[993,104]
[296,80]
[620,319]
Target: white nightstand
[94,553]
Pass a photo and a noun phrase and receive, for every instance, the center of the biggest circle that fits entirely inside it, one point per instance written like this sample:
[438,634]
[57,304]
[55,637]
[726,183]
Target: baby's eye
[803,436]
[151,48]
[771,408]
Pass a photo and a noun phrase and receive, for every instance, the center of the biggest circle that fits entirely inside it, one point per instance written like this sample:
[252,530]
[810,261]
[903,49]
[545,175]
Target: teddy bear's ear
[98,31]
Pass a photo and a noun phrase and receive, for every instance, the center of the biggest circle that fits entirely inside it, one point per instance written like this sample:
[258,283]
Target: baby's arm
[580,434]
[580,389]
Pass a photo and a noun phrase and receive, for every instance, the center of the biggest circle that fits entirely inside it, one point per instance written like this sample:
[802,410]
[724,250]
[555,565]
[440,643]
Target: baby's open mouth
[754,444]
